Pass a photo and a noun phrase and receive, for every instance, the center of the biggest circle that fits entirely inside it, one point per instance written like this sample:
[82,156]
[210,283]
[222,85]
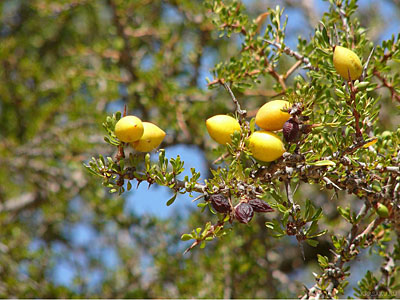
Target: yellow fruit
[271,117]
[266,146]
[220,128]
[129,129]
[345,62]
[151,138]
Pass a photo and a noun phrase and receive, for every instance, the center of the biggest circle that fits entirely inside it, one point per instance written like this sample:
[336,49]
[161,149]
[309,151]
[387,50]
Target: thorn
[364,72]
[197,198]
[138,183]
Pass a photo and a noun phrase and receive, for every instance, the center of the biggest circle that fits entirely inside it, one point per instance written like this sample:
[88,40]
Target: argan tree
[329,202]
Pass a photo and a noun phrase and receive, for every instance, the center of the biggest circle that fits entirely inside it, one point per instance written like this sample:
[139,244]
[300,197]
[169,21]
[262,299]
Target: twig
[221,157]
[242,113]
[124,115]
[343,17]
[210,232]
[387,84]
[328,181]
[289,194]
[336,35]
[356,114]
[292,53]
[292,69]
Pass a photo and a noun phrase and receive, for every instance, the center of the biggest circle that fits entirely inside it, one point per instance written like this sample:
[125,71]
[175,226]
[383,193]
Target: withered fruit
[220,203]
[259,205]
[291,130]
[244,212]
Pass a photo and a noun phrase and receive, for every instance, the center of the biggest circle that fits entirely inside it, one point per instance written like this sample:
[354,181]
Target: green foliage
[70,67]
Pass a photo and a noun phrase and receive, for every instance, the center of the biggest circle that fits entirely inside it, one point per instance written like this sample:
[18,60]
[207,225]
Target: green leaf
[325,33]
[269,225]
[323,261]
[111,141]
[186,237]
[322,52]
[312,243]
[317,214]
[323,163]
[361,85]
[313,227]
[345,213]
[318,234]
[170,201]
[91,171]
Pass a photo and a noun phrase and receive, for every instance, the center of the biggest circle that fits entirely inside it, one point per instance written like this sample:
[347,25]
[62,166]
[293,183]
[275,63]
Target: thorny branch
[345,23]
[356,114]
[385,83]
[334,273]
[242,113]
[294,54]
[210,232]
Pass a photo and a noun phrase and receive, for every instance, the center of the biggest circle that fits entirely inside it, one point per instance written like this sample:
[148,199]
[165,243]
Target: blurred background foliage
[66,65]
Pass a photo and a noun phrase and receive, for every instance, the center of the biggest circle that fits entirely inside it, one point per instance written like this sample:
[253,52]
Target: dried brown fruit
[260,206]
[220,203]
[244,212]
[291,130]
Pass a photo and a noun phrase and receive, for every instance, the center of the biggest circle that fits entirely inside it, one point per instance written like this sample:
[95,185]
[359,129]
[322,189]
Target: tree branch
[293,53]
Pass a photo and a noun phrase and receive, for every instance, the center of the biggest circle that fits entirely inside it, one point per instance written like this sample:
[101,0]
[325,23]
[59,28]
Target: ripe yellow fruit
[129,129]
[345,62]
[266,146]
[271,117]
[220,128]
[151,138]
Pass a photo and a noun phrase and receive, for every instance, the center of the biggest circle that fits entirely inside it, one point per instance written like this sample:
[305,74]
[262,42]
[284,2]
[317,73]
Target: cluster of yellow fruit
[142,136]
[264,144]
